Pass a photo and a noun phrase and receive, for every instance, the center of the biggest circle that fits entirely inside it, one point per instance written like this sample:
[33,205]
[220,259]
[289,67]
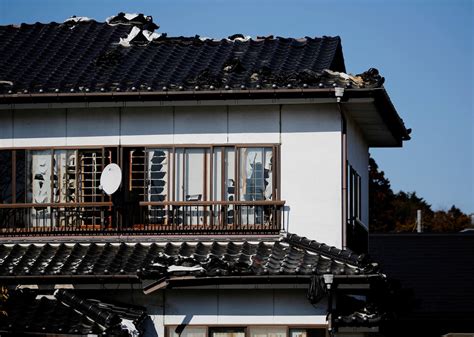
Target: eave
[383,115]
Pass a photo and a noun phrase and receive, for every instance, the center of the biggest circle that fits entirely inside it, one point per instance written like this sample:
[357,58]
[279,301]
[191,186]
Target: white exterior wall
[311,171]
[227,307]
[358,157]
[310,138]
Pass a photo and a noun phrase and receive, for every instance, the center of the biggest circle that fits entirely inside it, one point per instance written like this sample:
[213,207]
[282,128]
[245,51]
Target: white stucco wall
[311,171]
[310,138]
[228,307]
[39,128]
[358,157]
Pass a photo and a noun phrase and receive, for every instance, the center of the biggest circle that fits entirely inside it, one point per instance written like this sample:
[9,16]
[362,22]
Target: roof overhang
[233,281]
[378,120]
[371,109]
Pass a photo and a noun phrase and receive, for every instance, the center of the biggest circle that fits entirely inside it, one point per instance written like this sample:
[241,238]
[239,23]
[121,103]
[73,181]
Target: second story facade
[227,137]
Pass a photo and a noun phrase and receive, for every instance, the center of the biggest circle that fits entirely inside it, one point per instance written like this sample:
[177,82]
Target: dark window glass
[305,332]
[6,177]
[20,176]
[354,195]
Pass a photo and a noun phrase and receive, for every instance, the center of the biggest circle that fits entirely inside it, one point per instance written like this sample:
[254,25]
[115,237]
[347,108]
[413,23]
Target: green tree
[396,212]
[380,200]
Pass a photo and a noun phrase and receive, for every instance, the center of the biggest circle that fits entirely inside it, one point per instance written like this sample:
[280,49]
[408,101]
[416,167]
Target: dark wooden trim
[13,176]
[51,176]
[76,181]
[210,203]
[151,146]
[274,167]
[211,173]
[183,185]
[57,205]
[66,147]
[224,177]
[173,181]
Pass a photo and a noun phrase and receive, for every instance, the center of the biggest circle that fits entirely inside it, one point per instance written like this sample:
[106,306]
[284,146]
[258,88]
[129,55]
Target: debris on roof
[145,22]
[368,79]
[68,313]
[77,19]
[239,37]
[362,318]
[60,58]
[138,36]
[126,55]
[142,31]
[292,255]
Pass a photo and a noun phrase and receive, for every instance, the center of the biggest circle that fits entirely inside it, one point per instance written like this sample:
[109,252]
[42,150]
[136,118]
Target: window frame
[119,154]
[354,195]
[53,150]
[208,165]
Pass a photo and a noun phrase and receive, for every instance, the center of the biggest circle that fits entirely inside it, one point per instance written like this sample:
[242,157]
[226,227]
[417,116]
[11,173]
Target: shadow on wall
[235,302]
[180,328]
[58,123]
[149,328]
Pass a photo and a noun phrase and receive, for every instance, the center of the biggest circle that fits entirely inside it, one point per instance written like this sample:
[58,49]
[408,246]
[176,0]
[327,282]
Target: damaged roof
[67,313]
[82,55]
[124,58]
[291,255]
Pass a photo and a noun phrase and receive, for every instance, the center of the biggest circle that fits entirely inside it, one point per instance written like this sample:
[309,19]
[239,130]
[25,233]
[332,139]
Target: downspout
[339,92]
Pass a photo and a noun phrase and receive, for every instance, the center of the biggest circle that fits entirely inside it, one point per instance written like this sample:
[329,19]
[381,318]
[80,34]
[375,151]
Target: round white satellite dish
[111,178]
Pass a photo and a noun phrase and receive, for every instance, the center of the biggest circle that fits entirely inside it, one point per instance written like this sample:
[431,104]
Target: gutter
[164,95]
[193,281]
[344,198]
[49,279]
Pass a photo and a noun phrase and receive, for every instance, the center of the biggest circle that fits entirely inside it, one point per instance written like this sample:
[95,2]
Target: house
[224,148]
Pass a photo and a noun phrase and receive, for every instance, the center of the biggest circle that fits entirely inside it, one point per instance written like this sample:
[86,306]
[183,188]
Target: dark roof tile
[291,255]
[65,313]
[87,55]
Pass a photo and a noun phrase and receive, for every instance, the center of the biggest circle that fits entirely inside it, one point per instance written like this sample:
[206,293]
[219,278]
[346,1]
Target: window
[308,332]
[267,332]
[49,179]
[230,173]
[227,332]
[208,173]
[188,331]
[354,195]
[53,176]
[255,174]
[201,185]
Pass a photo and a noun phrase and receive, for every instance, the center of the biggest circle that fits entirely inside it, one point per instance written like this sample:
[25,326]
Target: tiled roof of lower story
[289,256]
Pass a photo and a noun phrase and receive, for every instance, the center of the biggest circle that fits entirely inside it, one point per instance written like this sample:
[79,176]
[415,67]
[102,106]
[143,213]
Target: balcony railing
[200,217]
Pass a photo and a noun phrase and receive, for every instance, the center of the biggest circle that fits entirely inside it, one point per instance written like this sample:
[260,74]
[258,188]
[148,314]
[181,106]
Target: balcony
[157,218]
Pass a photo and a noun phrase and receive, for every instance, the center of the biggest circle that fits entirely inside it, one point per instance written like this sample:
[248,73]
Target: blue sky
[423,48]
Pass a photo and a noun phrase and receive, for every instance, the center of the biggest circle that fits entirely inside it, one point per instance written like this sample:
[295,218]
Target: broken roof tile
[292,255]
[51,58]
